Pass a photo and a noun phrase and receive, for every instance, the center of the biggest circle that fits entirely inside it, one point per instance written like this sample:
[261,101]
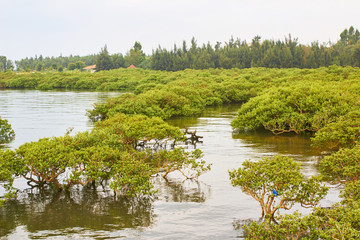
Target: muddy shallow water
[206,209]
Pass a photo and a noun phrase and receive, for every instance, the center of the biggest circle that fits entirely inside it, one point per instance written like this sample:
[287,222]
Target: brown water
[206,209]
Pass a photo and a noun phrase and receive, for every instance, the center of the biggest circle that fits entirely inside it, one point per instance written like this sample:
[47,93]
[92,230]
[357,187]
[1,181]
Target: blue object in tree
[275,192]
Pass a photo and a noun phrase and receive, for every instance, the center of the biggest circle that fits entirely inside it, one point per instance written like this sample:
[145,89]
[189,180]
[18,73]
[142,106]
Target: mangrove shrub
[302,107]
[6,132]
[123,152]
[277,183]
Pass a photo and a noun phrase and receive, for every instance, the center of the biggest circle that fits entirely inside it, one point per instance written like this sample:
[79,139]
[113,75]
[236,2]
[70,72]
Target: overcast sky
[82,27]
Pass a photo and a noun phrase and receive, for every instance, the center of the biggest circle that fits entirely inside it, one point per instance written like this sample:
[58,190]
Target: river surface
[206,209]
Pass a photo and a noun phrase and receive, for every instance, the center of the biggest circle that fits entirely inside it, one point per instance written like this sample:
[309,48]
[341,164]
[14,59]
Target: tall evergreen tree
[3,62]
[135,56]
[103,60]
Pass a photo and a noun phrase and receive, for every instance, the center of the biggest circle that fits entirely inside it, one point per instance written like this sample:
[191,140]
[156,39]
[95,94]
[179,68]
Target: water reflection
[283,144]
[41,211]
[183,122]
[35,114]
[238,225]
[46,212]
[189,190]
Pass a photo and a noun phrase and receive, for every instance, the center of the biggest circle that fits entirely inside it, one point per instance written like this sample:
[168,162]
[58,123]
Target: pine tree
[103,60]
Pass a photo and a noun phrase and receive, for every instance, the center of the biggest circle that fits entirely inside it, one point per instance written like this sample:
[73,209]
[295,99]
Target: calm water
[36,114]
[206,209]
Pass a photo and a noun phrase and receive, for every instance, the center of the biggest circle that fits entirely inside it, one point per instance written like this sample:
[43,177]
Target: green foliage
[39,67]
[132,175]
[342,133]
[45,160]
[288,53]
[6,132]
[290,226]
[303,107]
[139,130]
[71,66]
[8,170]
[121,79]
[282,174]
[118,61]
[340,222]
[125,151]
[161,103]
[135,56]
[341,166]
[351,192]
[180,160]
[79,65]
[103,60]
[29,64]
[181,96]
[6,65]
[350,36]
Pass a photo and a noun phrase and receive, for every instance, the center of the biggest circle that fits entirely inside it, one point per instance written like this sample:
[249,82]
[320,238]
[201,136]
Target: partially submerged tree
[6,132]
[340,222]
[277,183]
[343,133]
[342,166]
[291,226]
[8,170]
[351,192]
[123,151]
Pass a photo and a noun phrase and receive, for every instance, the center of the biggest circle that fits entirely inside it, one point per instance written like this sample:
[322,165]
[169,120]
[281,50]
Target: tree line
[287,53]
[103,60]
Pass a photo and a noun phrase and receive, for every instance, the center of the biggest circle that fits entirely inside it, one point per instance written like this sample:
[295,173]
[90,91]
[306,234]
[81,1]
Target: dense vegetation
[341,221]
[323,103]
[123,152]
[268,53]
[120,79]
[325,107]
[6,132]
[316,102]
[287,53]
[103,60]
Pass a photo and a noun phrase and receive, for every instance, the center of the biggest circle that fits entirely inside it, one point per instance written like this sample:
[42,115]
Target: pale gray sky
[82,27]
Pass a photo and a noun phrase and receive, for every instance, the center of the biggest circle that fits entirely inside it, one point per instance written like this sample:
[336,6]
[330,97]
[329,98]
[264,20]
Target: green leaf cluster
[340,222]
[6,132]
[341,166]
[302,107]
[8,169]
[343,133]
[282,174]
